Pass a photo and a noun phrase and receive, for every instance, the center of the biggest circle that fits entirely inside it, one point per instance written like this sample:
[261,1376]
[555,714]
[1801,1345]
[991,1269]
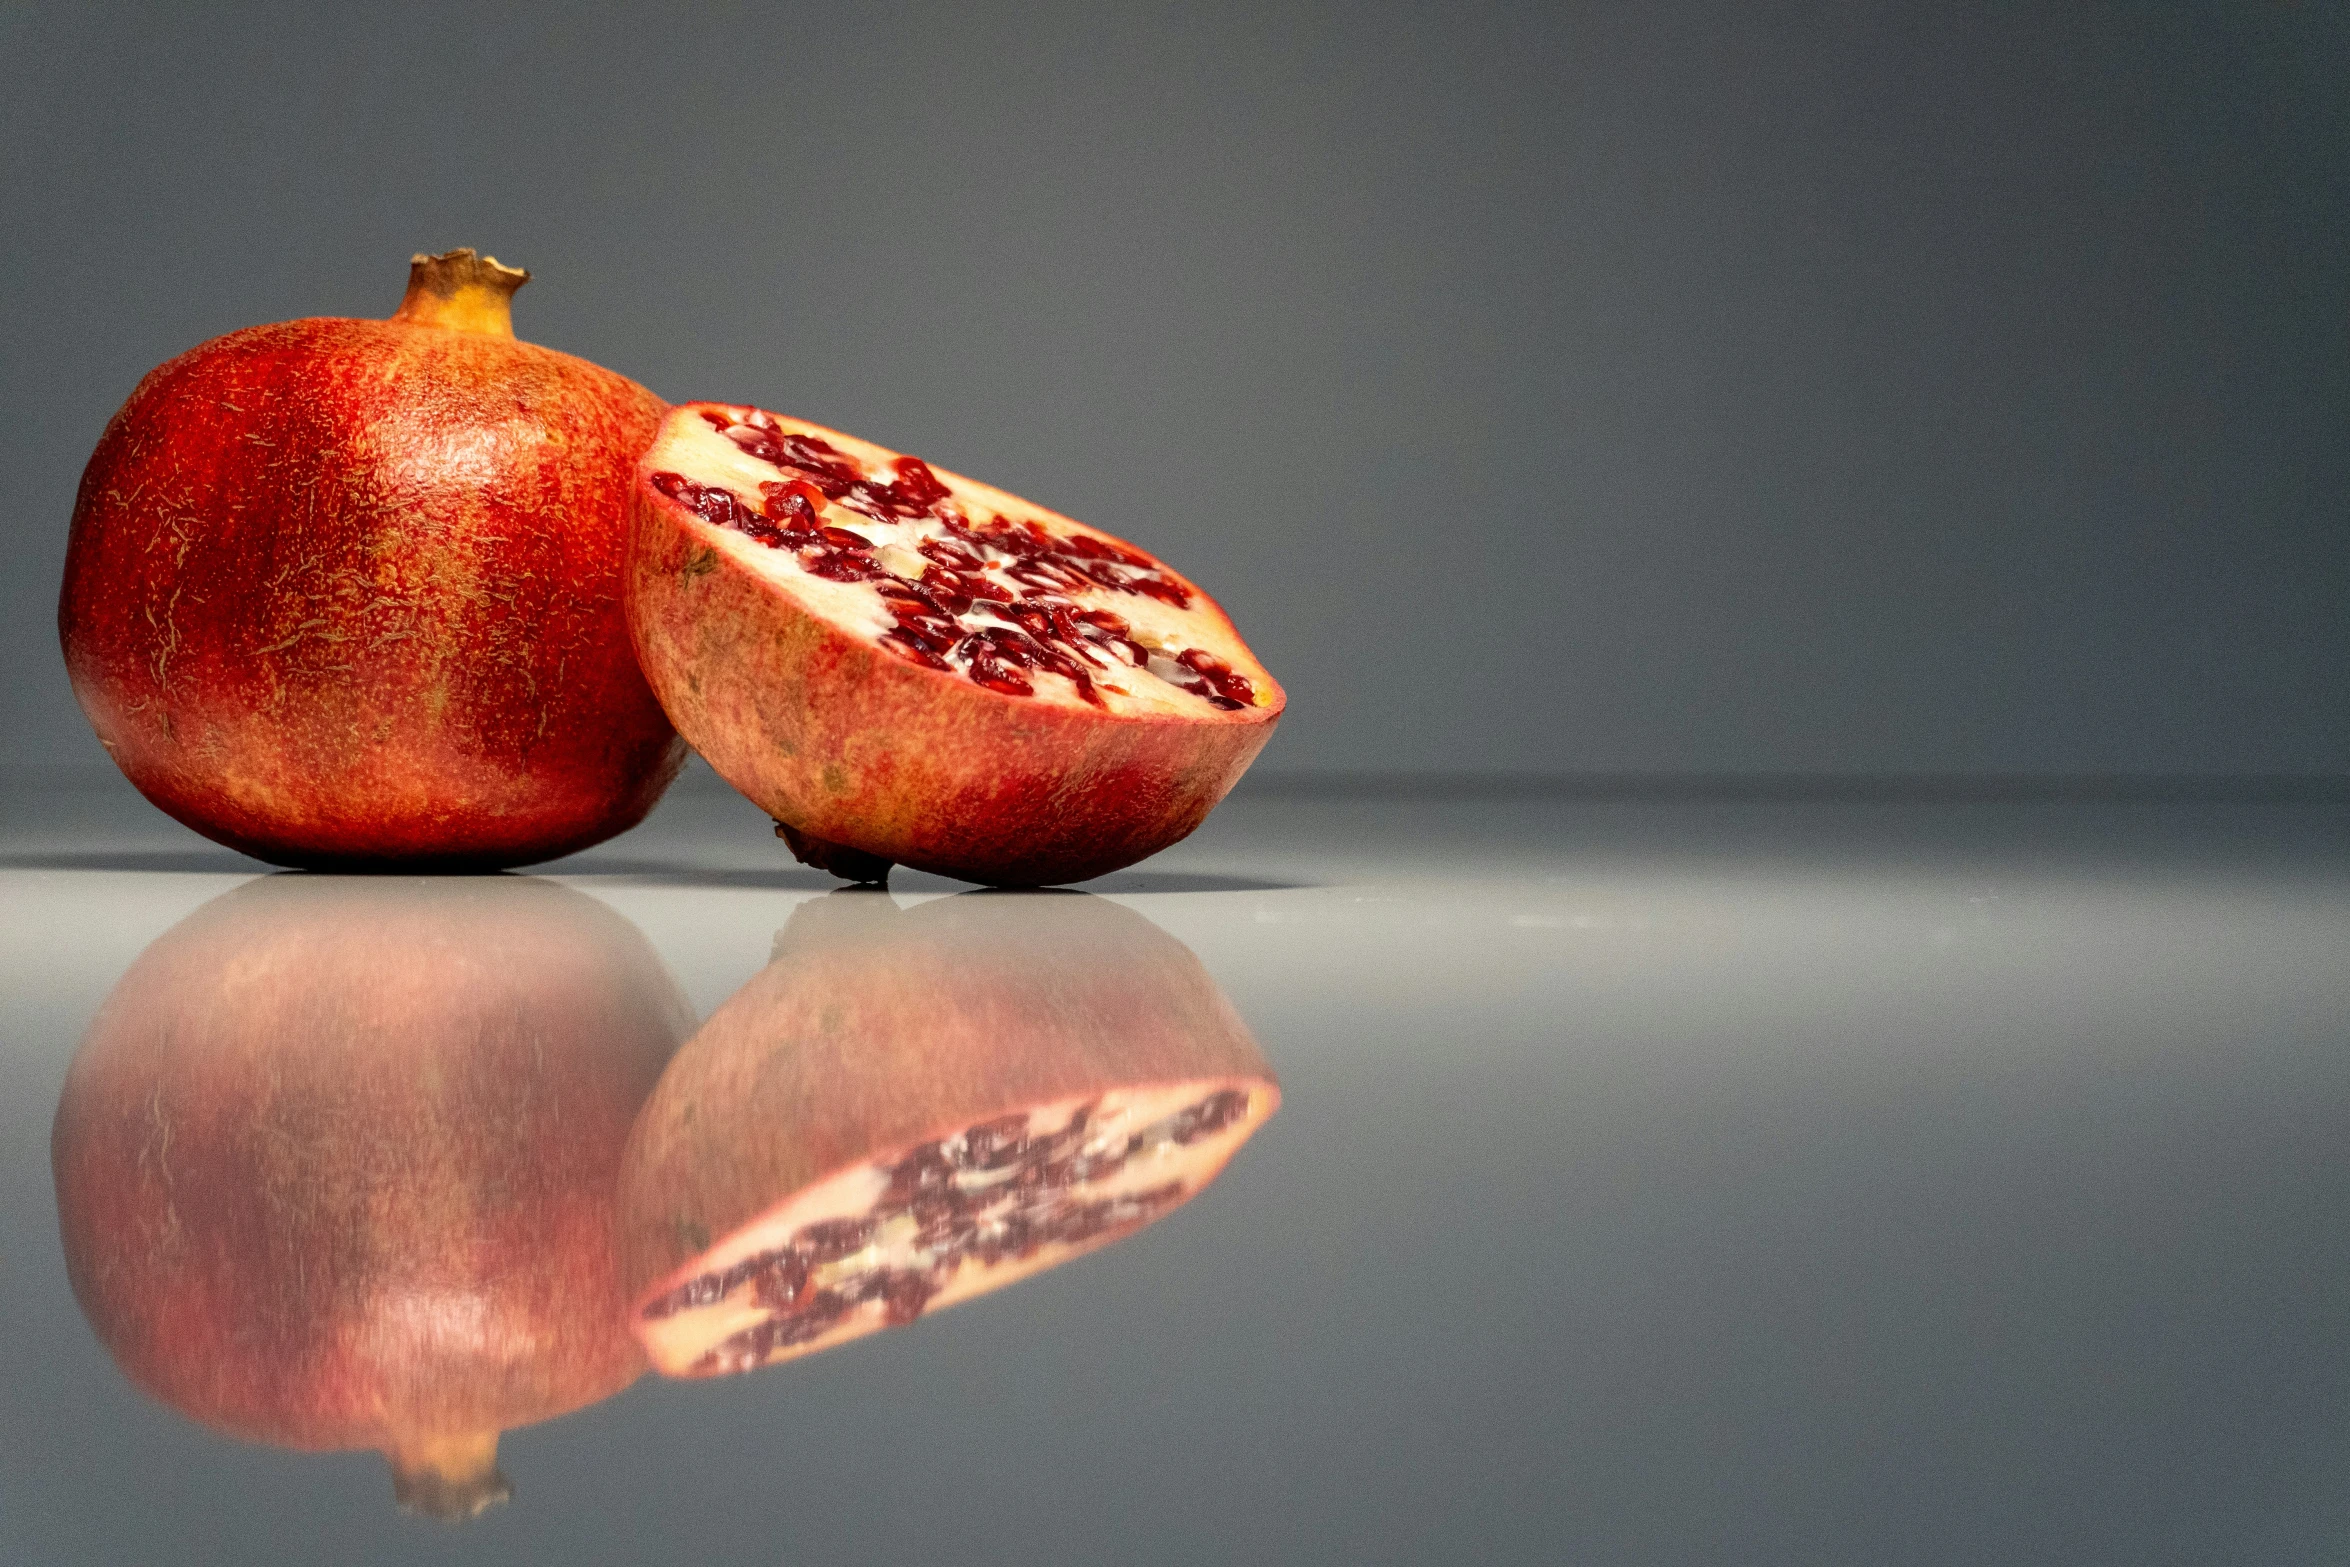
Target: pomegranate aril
[996,678]
[917,484]
[926,1169]
[1103,549]
[792,505]
[955,556]
[720,507]
[897,642]
[953,595]
[1208,1117]
[828,467]
[703,1291]
[709,1288]
[923,631]
[1045,577]
[841,566]
[834,1238]
[1217,681]
[994,1144]
[904,1296]
[782,1282]
[1164,591]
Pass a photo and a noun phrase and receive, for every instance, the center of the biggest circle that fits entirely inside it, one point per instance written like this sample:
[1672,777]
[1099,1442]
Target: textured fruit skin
[347,592]
[850,744]
[334,1163]
[876,1029]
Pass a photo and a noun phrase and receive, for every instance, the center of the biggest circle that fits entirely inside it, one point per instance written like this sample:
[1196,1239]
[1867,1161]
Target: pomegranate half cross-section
[908,1109]
[902,665]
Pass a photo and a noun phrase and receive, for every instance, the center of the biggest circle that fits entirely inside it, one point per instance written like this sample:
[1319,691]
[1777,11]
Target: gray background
[1658,388]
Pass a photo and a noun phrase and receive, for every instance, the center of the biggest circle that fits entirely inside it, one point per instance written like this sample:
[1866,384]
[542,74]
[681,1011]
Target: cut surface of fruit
[954,576]
[922,667]
[907,1110]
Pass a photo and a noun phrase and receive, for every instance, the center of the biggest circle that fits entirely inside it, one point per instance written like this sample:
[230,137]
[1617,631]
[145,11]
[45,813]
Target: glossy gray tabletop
[1656,1180]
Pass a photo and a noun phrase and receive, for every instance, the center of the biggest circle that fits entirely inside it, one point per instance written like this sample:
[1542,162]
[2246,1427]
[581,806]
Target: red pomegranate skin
[876,1029]
[335,1165]
[852,745]
[348,592]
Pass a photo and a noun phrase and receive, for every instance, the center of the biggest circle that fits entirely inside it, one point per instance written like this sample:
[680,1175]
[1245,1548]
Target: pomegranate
[903,665]
[348,592]
[905,1110]
[335,1166]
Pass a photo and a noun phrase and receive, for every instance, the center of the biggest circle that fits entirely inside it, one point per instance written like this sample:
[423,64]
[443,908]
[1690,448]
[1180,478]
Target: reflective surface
[1654,1181]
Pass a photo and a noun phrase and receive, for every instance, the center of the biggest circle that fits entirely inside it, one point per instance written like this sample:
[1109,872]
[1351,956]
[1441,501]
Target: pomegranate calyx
[453,1478]
[461,291]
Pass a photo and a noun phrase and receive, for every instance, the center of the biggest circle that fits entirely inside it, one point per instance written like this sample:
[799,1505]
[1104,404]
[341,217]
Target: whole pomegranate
[348,592]
[902,665]
[905,1110]
[335,1166]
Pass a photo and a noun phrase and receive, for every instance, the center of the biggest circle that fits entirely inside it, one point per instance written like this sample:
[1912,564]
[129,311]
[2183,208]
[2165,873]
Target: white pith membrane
[931,1225]
[1136,650]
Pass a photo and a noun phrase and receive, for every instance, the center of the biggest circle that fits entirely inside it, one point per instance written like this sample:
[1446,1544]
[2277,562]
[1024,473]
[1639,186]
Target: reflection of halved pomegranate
[335,1162]
[910,666]
[345,592]
[905,1110]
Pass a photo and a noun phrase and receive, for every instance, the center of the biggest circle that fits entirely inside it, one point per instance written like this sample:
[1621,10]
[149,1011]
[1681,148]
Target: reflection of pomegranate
[335,1163]
[349,591]
[907,1110]
[910,666]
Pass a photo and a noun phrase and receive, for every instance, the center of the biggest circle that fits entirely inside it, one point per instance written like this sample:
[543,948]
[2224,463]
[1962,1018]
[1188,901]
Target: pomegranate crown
[462,291]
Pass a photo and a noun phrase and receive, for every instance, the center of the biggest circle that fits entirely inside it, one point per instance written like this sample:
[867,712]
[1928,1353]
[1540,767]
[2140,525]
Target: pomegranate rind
[848,743]
[874,1032]
[347,592]
[334,1162]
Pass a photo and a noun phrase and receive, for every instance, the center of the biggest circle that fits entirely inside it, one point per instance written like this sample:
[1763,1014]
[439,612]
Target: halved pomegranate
[903,665]
[905,1110]
[335,1166]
